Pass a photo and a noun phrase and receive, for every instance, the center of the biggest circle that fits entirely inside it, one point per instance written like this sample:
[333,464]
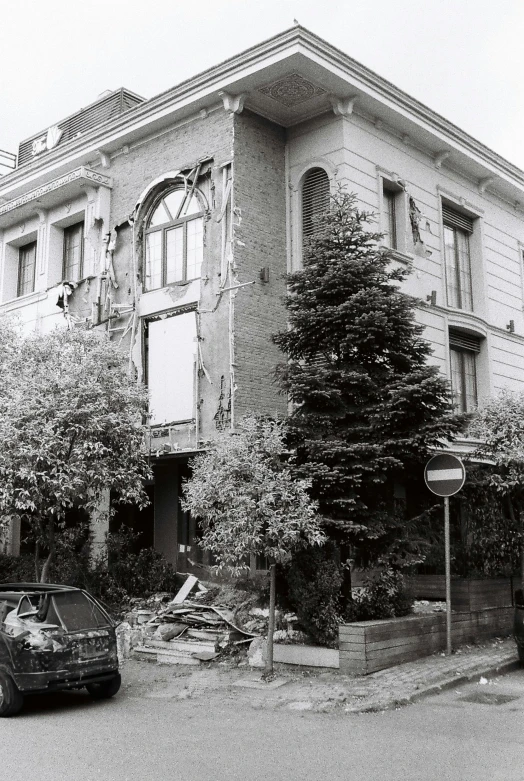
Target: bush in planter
[314,581]
[386,596]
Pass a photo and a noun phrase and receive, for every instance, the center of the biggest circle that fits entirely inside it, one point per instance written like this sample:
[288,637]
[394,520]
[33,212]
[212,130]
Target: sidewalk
[324,691]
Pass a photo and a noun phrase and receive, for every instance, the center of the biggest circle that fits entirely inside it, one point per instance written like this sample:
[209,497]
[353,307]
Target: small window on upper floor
[26,269]
[393,215]
[73,267]
[389,217]
[315,199]
[458,228]
[464,349]
[174,239]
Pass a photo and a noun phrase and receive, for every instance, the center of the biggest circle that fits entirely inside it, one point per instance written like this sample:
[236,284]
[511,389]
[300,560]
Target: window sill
[170,285]
[401,257]
[28,298]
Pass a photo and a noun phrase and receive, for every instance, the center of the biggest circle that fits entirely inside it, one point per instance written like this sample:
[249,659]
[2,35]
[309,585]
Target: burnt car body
[54,638]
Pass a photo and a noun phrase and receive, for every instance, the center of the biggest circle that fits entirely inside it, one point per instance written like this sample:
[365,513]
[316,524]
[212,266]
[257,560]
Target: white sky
[462,58]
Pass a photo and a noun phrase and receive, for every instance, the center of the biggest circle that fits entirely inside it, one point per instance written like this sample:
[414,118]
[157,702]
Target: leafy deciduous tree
[70,429]
[248,503]
[500,425]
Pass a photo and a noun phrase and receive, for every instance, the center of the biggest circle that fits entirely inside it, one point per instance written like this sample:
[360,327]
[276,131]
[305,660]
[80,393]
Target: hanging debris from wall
[415,216]
[222,416]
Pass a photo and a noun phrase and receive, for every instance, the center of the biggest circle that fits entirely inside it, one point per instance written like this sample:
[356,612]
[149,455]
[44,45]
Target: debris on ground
[425,606]
[195,625]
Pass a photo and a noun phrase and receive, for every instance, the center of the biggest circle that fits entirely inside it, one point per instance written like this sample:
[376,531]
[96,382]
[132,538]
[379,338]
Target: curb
[499,669]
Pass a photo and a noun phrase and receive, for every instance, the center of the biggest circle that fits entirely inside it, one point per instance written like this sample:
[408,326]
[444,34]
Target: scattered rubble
[196,625]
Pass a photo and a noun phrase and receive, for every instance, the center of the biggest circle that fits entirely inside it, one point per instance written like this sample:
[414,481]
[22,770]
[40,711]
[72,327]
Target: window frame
[313,211]
[458,345]
[22,251]
[388,184]
[389,214]
[68,230]
[164,228]
[464,297]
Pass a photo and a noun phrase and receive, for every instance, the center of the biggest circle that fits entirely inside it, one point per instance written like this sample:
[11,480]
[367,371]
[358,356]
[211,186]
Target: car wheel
[105,689]
[520,651]
[11,699]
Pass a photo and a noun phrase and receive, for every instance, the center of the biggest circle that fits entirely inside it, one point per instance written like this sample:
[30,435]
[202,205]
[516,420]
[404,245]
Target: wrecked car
[54,638]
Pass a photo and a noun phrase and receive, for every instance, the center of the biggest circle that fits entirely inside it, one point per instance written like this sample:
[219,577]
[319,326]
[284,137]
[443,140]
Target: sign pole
[445,475]
[447,548]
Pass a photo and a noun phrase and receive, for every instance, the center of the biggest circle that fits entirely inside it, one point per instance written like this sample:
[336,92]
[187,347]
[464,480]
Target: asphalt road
[147,733]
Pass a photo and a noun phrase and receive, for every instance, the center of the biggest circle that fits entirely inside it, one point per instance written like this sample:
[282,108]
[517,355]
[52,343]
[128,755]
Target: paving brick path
[324,691]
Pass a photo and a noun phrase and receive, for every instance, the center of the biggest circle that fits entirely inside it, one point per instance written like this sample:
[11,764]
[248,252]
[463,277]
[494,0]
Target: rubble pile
[188,628]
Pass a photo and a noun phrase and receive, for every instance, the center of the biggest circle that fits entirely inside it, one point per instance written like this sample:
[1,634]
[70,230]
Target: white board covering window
[171,368]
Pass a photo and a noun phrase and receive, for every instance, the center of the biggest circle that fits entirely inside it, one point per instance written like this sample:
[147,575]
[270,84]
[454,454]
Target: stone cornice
[79,174]
[296,40]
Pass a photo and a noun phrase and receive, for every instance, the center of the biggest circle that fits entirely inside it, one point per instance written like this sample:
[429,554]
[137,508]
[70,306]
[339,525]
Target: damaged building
[170,223]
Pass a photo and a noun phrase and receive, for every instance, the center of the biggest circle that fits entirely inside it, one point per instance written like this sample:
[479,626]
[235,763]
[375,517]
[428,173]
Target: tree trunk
[37,561]
[47,564]
[271,625]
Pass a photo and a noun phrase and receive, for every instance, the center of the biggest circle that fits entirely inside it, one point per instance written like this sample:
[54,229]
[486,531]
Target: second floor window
[389,217]
[463,351]
[457,231]
[26,269]
[315,199]
[74,252]
[174,239]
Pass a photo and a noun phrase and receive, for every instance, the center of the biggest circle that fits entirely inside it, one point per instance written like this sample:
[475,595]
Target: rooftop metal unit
[102,110]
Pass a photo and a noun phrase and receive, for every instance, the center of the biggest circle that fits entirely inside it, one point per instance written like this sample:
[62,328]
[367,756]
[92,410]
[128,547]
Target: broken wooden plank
[188,586]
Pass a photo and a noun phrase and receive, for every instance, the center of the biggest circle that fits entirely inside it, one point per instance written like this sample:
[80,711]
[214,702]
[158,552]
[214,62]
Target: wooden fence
[466,593]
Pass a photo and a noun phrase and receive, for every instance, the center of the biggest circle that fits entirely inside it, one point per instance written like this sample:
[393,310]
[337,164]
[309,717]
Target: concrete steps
[174,651]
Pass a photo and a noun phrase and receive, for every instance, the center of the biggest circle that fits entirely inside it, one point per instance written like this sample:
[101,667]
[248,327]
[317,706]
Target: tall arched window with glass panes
[174,238]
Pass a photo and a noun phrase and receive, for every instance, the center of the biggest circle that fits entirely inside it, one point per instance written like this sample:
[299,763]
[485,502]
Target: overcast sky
[462,58]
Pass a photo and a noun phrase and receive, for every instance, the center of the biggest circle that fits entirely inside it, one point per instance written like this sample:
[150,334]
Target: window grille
[461,341]
[456,219]
[315,199]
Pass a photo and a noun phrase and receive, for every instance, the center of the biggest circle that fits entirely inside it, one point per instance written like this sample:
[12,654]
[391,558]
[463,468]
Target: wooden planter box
[466,593]
[368,646]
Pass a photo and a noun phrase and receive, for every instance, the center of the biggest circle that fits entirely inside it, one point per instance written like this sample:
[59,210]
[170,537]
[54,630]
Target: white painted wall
[171,354]
[357,153]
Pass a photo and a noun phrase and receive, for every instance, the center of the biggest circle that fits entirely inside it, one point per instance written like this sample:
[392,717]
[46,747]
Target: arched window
[315,199]
[174,238]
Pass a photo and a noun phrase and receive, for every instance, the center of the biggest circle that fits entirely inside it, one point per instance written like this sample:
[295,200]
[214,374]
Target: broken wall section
[141,312]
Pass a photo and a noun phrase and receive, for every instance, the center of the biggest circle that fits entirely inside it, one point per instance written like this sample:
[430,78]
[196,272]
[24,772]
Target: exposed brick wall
[260,240]
[207,137]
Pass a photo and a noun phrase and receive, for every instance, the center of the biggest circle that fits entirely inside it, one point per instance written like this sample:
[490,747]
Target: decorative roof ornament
[292,90]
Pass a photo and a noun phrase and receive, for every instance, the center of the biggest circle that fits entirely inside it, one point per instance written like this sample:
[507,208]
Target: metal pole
[448,575]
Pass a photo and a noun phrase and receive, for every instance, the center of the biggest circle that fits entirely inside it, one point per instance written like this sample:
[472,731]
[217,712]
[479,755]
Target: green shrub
[123,574]
[314,580]
[16,569]
[386,596]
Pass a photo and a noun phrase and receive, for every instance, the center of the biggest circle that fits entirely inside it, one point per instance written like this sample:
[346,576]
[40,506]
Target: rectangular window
[457,230]
[171,350]
[389,217]
[154,260]
[463,359]
[74,252]
[26,269]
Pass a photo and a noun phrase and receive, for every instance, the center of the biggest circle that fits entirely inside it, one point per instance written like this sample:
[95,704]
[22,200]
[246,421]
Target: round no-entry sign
[444,474]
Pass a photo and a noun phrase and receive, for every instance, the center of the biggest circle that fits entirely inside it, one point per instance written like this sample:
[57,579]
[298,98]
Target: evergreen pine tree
[367,406]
